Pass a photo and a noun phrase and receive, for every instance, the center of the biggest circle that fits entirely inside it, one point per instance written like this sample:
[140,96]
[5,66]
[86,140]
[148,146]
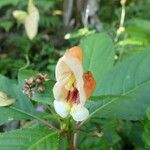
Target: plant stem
[72,138]
[75,140]
[27,63]
[122,19]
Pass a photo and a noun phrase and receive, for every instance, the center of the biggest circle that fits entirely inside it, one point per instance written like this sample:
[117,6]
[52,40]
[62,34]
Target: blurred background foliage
[62,24]
[58,31]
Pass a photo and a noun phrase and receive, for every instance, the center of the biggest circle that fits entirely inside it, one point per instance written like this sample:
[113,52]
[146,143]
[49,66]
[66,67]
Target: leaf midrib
[23,112]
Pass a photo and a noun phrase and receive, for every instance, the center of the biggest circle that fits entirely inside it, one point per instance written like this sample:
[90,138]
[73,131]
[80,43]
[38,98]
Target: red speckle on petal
[73,96]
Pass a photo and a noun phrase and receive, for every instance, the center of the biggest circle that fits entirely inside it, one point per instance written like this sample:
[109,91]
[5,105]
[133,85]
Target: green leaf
[44,97]
[146,134]
[8,2]
[29,139]
[141,25]
[63,143]
[98,51]
[25,74]
[148,112]
[6,25]
[22,109]
[131,80]
[47,95]
[109,131]
[92,142]
[146,137]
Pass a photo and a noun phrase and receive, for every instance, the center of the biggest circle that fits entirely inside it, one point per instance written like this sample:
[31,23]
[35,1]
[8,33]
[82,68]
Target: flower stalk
[122,19]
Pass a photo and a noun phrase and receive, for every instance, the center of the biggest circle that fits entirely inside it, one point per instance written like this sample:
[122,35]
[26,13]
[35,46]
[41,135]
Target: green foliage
[98,55]
[120,105]
[8,2]
[130,79]
[6,25]
[146,134]
[22,109]
[148,112]
[122,90]
[29,139]
[44,97]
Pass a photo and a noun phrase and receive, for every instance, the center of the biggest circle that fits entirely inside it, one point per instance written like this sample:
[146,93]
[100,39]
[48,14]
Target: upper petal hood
[76,53]
[62,68]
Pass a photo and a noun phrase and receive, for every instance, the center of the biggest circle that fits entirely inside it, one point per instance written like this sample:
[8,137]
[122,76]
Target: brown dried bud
[30,80]
[28,91]
[41,88]
[40,78]
[37,82]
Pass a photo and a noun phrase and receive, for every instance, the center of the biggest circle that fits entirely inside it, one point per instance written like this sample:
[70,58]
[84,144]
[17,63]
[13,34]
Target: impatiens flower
[73,86]
[30,19]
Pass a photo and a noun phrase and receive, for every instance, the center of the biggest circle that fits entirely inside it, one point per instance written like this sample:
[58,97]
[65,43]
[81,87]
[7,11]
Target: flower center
[73,97]
[73,93]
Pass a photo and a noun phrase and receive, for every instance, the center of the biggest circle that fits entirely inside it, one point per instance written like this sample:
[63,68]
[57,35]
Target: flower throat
[73,93]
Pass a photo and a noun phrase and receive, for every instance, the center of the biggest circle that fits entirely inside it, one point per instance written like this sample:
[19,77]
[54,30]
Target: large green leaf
[29,139]
[98,55]
[22,109]
[44,97]
[131,80]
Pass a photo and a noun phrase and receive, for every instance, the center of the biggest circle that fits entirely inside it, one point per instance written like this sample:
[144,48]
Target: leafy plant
[119,107]
[122,93]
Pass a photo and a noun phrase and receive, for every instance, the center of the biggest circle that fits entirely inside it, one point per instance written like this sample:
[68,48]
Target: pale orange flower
[73,86]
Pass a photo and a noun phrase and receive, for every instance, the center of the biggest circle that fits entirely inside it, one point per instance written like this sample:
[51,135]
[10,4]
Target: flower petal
[89,83]
[20,15]
[62,70]
[79,113]
[75,52]
[60,93]
[31,22]
[61,108]
[5,100]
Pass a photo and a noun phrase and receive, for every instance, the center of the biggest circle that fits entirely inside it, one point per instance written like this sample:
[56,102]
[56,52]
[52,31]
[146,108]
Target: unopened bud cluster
[36,82]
